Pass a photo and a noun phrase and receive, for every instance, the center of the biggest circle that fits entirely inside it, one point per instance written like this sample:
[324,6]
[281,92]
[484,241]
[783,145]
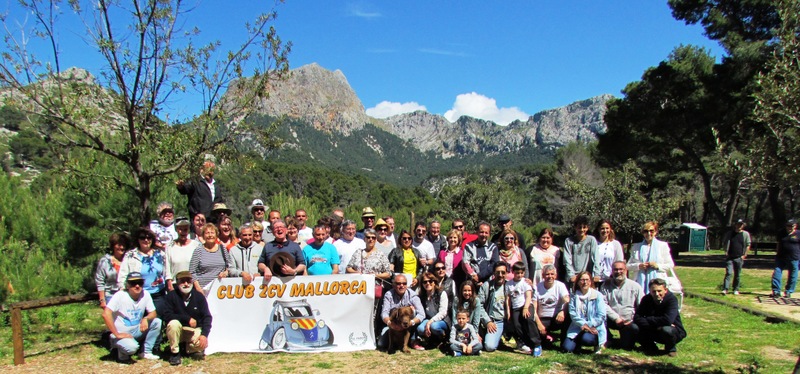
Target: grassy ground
[703,273]
[721,340]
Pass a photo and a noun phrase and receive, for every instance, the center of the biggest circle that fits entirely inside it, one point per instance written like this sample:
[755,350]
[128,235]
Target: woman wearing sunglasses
[511,253]
[651,258]
[148,261]
[406,259]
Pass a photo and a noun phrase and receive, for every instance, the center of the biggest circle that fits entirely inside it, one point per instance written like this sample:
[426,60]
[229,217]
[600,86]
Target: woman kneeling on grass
[434,327]
[588,312]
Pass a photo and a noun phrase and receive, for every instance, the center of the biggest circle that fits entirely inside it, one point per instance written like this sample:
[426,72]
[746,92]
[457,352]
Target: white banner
[326,313]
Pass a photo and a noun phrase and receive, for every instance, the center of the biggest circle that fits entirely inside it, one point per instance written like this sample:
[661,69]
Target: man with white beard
[188,319]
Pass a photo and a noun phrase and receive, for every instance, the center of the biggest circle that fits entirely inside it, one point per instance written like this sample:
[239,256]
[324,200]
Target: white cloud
[442,52]
[359,10]
[478,106]
[386,109]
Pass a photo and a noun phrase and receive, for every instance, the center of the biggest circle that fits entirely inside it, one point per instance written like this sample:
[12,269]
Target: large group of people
[470,292]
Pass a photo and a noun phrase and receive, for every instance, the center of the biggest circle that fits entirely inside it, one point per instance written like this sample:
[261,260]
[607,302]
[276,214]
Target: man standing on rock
[736,244]
[202,191]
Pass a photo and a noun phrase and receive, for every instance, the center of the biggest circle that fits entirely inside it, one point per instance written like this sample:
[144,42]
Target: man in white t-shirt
[552,300]
[347,244]
[303,232]
[130,315]
[422,244]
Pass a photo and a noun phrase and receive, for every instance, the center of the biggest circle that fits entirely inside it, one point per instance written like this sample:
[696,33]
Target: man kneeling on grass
[188,319]
[659,319]
[130,315]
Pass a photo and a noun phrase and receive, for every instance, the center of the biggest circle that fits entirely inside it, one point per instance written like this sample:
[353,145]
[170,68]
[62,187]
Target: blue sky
[492,60]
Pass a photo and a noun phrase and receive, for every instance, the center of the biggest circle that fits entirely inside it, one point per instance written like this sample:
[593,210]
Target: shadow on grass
[99,340]
[588,362]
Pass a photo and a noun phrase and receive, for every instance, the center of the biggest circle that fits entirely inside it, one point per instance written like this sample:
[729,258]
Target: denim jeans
[438,329]
[583,339]
[782,264]
[129,346]
[732,267]
[492,339]
[476,349]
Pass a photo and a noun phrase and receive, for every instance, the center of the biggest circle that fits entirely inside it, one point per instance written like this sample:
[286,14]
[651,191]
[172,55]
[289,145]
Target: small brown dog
[400,316]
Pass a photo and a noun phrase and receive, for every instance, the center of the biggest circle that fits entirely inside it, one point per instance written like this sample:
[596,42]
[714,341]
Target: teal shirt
[320,261]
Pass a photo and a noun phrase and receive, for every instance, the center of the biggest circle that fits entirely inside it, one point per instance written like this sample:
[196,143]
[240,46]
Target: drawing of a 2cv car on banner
[295,326]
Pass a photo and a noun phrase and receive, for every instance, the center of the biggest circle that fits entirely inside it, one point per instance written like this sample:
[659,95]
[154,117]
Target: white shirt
[127,313]
[425,248]
[346,250]
[177,257]
[210,186]
[550,301]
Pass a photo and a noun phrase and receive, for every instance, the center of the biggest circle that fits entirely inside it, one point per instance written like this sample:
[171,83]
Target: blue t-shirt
[320,261]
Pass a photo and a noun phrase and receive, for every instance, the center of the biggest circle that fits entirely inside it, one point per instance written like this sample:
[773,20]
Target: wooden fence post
[16,317]
[16,335]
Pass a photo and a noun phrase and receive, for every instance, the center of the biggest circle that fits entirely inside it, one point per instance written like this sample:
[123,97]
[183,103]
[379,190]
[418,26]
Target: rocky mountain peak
[322,97]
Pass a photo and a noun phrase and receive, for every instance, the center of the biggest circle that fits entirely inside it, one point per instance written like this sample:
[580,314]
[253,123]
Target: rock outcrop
[319,96]
[324,99]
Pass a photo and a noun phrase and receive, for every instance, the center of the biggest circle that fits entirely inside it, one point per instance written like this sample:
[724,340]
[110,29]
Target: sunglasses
[500,272]
[138,283]
[369,238]
[509,238]
[458,227]
[651,230]
[405,238]
[382,229]
[184,280]
[258,231]
[428,281]
[400,283]
[440,268]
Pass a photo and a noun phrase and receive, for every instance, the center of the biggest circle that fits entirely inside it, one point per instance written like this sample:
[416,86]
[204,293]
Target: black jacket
[175,308]
[200,196]
[651,314]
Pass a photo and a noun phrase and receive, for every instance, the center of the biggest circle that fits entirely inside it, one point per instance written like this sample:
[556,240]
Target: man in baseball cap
[130,315]
[188,319]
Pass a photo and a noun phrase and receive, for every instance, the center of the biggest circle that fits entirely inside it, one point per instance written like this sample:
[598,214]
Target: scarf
[648,253]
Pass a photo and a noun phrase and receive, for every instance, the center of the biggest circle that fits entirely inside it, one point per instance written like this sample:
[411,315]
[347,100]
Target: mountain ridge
[325,99]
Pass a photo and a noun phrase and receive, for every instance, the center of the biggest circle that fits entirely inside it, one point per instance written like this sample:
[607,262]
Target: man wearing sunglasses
[188,319]
[399,296]
[466,237]
[130,315]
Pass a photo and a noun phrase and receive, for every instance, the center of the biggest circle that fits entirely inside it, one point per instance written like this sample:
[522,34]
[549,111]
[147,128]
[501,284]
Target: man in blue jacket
[188,319]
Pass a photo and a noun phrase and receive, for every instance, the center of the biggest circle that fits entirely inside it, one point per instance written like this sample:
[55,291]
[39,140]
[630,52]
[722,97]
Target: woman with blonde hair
[651,258]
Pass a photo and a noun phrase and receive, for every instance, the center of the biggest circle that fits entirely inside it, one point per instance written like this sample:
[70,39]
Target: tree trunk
[144,195]
[778,211]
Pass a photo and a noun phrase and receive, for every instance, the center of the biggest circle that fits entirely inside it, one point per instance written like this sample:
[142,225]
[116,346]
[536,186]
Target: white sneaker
[148,356]
[735,292]
[524,349]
